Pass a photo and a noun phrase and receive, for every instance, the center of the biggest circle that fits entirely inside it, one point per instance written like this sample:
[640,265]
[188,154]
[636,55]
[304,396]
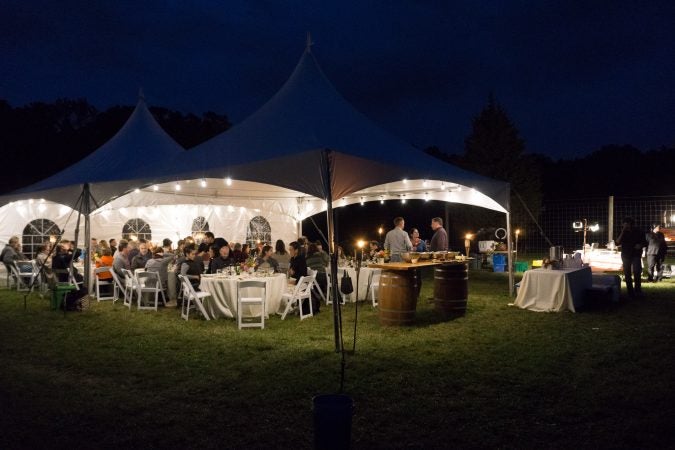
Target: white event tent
[306,150]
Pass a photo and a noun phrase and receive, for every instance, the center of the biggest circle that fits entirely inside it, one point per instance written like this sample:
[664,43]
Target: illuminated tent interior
[305,148]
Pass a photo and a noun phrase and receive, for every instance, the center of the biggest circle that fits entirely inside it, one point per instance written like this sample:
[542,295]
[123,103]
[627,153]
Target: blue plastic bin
[498,259]
[500,267]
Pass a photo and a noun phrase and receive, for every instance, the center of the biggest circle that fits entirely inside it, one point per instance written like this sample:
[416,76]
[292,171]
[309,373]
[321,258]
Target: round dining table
[364,280]
[223,290]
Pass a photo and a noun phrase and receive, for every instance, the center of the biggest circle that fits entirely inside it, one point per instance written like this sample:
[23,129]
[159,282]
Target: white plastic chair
[192,296]
[148,283]
[302,291]
[244,298]
[374,286]
[100,283]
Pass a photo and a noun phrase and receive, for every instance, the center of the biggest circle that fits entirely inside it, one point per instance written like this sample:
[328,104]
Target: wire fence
[557,220]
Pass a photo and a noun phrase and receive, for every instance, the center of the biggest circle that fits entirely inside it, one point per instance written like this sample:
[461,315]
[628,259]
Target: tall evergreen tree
[495,149]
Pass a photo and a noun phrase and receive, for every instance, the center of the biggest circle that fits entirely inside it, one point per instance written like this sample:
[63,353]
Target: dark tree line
[494,148]
[40,139]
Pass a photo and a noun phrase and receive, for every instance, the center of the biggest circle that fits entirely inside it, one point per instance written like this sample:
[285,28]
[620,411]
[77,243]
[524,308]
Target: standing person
[439,241]
[418,244]
[656,253]
[632,241]
[397,241]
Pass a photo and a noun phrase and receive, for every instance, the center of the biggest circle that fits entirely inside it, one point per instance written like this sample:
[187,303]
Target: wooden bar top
[417,265]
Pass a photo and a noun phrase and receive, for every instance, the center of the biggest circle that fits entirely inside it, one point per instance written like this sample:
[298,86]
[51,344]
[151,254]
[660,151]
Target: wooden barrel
[397,297]
[451,290]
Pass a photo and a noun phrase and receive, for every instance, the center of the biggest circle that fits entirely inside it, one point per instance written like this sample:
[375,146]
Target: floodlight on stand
[577,225]
[594,227]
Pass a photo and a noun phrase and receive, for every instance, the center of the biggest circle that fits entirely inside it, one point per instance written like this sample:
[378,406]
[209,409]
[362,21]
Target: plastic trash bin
[59,292]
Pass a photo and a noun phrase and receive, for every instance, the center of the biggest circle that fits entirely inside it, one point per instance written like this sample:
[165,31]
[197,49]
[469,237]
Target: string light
[202,182]
[228,181]
[382,199]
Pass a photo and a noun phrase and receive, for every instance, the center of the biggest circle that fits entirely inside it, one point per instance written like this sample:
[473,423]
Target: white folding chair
[190,296]
[245,298]
[11,280]
[119,286]
[24,272]
[315,285]
[130,287]
[374,286]
[148,283]
[329,290]
[109,282]
[302,291]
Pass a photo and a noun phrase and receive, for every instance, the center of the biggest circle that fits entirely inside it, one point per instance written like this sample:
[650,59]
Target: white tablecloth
[223,290]
[553,290]
[364,276]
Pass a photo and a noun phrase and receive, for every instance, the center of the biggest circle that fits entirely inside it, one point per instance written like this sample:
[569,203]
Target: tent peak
[309,43]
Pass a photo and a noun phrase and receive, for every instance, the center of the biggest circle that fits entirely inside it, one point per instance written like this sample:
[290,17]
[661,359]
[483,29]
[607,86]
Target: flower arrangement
[248,264]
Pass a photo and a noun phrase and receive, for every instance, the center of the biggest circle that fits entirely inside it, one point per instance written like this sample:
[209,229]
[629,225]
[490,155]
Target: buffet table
[223,290]
[399,287]
[550,290]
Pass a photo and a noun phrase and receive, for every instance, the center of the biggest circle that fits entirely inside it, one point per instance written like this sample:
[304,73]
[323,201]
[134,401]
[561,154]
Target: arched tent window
[199,227]
[136,228]
[259,230]
[36,233]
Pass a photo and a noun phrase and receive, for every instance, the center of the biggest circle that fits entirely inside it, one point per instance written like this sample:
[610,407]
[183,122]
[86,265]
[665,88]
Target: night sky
[572,75]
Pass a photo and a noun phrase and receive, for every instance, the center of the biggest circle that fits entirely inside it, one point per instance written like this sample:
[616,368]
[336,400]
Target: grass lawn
[498,377]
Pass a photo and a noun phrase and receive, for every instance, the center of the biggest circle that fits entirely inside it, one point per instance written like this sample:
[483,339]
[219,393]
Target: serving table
[552,290]
[399,283]
[223,290]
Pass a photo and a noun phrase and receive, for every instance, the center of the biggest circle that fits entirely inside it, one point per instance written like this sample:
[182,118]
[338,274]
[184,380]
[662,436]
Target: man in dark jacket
[632,241]
[656,253]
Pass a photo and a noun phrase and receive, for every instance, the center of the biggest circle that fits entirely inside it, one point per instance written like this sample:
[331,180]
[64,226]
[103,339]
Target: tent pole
[509,257]
[86,206]
[331,247]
